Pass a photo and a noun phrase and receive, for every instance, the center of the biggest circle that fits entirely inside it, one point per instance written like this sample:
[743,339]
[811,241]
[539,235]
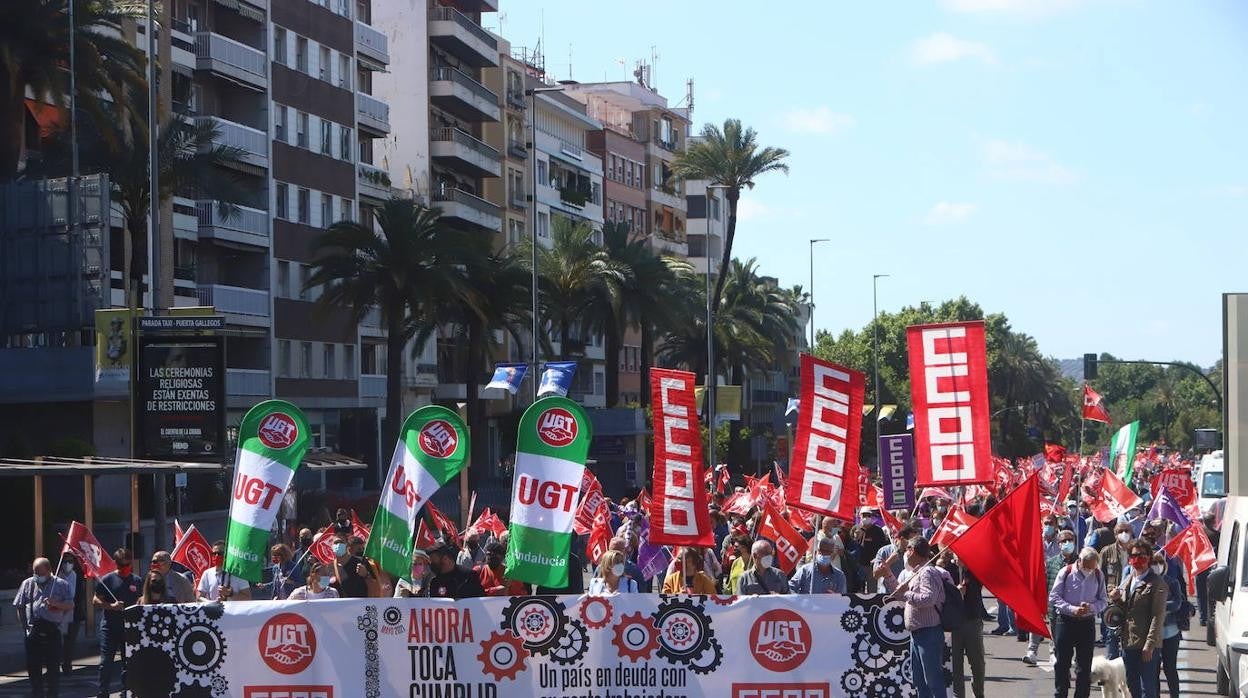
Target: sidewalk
[13,641]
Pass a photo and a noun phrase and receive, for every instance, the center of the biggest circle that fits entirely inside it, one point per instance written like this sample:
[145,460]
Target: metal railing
[459,77]
[245,219]
[447,133]
[516,149]
[369,37]
[246,381]
[462,197]
[374,108]
[234,299]
[238,136]
[231,52]
[450,14]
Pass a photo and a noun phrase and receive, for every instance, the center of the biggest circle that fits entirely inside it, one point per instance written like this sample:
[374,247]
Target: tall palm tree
[34,56]
[730,157]
[410,269]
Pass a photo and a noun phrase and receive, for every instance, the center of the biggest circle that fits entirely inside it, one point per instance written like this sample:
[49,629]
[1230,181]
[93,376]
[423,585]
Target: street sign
[174,323]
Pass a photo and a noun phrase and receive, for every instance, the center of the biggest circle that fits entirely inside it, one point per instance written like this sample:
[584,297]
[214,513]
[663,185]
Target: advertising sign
[180,401]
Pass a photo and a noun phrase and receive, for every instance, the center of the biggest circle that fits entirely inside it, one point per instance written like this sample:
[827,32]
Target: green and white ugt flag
[271,442]
[551,447]
[433,447]
[1122,452]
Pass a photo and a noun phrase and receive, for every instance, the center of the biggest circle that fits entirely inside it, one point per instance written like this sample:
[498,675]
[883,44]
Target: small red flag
[1111,498]
[1192,546]
[591,499]
[1054,453]
[443,523]
[424,539]
[177,532]
[643,503]
[955,524]
[359,529]
[323,546]
[81,543]
[192,552]
[600,534]
[789,543]
[1003,550]
[1092,408]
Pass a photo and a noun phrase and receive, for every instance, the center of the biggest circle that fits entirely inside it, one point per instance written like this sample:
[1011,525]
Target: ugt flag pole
[272,440]
[432,449]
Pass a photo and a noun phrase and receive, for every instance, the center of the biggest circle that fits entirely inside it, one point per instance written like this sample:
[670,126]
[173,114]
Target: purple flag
[897,470]
[652,559]
[1164,507]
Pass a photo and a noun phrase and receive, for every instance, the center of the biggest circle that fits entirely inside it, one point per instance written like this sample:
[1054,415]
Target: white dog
[1112,676]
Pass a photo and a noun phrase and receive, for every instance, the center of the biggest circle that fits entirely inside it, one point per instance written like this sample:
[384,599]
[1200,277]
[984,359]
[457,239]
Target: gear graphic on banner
[502,655]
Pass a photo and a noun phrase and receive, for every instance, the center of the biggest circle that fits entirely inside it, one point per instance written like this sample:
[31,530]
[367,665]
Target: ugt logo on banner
[949,390]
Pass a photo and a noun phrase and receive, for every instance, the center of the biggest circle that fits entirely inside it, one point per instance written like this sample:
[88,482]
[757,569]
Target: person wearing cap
[490,573]
[1077,597]
[449,580]
[417,581]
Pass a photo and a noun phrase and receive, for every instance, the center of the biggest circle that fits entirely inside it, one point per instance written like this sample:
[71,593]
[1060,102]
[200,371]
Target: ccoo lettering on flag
[680,510]
[823,477]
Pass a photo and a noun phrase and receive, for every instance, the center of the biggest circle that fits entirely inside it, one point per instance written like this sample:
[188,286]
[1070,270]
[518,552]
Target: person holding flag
[1141,597]
[922,587]
[116,591]
[1178,618]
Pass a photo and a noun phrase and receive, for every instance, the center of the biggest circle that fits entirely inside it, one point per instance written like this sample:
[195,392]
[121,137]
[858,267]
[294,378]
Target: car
[1228,597]
[1210,481]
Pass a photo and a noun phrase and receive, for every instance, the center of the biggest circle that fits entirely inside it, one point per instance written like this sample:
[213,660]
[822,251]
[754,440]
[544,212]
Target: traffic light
[1089,367]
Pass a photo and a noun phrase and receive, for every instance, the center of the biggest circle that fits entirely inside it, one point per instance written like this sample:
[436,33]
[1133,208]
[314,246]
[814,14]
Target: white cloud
[751,209]
[1017,160]
[946,48]
[818,120]
[947,212]
[1022,8]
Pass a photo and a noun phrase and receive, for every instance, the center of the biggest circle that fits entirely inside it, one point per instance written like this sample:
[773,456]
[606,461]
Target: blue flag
[1164,507]
[557,378]
[508,377]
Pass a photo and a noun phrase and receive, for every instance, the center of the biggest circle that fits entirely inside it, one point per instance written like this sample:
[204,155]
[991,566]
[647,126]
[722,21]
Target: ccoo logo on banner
[625,646]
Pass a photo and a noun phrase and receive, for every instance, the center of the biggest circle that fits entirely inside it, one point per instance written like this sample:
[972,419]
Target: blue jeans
[1142,676]
[927,661]
[1005,618]
[110,645]
[1113,643]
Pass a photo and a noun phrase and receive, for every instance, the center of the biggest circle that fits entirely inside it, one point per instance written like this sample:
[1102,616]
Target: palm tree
[646,301]
[34,54]
[410,269]
[730,157]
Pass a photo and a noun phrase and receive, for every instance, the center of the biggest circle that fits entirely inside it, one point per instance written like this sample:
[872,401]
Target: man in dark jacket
[1142,598]
[449,580]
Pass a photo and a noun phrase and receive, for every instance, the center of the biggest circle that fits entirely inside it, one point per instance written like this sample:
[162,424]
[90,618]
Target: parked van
[1228,595]
[1210,481]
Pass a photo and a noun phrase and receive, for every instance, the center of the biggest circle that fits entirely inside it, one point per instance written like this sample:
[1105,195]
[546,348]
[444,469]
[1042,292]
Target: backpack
[953,610]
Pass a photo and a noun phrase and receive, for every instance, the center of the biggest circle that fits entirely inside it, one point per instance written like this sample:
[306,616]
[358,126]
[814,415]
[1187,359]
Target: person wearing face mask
[43,602]
[820,576]
[737,559]
[1049,536]
[1078,596]
[1113,566]
[303,551]
[1135,518]
[449,580]
[922,588]
[417,581]
[690,578]
[760,577]
[1141,596]
[317,586]
[873,537]
[611,578]
[180,587]
[215,584]
[631,570]
[890,560]
[353,578]
[71,572]
[1065,556]
[490,573]
[113,594]
[285,574]
[1178,618]
[472,555]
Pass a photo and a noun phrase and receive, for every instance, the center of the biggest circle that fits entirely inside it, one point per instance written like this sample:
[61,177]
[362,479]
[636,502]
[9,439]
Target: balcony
[247,381]
[463,152]
[478,5]
[462,207]
[253,142]
[231,59]
[373,114]
[461,95]
[247,226]
[371,43]
[517,149]
[241,306]
[667,196]
[458,35]
[374,182]
[372,385]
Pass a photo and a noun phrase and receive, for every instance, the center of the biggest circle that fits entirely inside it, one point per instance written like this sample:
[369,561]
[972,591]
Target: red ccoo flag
[1003,550]
[1192,546]
[681,513]
[823,476]
[192,552]
[1054,453]
[789,543]
[949,392]
[1092,407]
[81,543]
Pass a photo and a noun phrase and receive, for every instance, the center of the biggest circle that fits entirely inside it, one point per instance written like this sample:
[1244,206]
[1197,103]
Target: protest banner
[823,477]
[680,507]
[949,391]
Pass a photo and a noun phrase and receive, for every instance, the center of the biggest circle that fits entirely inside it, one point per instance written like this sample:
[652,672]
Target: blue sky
[1080,165]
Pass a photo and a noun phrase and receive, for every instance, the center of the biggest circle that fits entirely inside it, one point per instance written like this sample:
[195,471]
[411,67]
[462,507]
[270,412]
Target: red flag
[682,516]
[359,529]
[873,497]
[424,539]
[738,503]
[323,546]
[801,519]
[789,543]
[1112,498]
[1003,550]
[890,522]
[81,543]
[643,503]
[443,523]
[781,479]
[824,472]
[949,392]
[937,492]
[487,522]
[591,501]
[192,552]
[1192,546]
[1092,408]
[955,524]
[1178,482]
[600,534]
[1054,453]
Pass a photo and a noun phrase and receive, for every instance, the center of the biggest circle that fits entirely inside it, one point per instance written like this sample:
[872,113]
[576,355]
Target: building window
[279,45]
[344,143]
[330,359]
[515,185]
[301,129]
[305,359]
[283,279]
[279,123]
[304,206]
[327,210]
[282,203]
[611,162]
[301,54]
[595,196]
[348,361]
[541,172]
[600,384]
[515,231]
[305,275]
[324,67]
[368,360]
[283,358]
[543,225]
[327,138]
[344,71]
[344,211]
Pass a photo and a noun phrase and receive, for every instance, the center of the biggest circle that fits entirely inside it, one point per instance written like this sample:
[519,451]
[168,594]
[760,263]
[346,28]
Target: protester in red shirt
[490,573]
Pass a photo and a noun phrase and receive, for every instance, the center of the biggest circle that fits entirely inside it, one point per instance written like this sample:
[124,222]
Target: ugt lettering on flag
[823,477]
[949,390]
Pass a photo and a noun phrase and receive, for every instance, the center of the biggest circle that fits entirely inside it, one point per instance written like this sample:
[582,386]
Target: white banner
[625,646]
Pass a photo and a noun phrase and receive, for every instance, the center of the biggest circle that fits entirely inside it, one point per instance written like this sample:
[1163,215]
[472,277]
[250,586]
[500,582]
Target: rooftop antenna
[502,17]
[569,60]
[654,61]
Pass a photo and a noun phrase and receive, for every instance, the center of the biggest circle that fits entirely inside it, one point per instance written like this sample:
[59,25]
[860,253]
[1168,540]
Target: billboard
[180,398]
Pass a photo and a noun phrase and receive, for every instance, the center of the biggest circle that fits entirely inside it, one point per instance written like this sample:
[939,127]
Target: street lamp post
[812,291]
[875,344]
[710,337]
[532,94]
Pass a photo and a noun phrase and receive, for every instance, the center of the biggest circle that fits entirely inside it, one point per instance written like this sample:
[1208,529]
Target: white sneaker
[1029,659]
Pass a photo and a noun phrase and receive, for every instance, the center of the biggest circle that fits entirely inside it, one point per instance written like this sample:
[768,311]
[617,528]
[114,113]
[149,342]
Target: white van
[1210,481]
[1228,595]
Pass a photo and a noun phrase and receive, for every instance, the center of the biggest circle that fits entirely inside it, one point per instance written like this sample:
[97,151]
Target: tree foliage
[1170,402]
